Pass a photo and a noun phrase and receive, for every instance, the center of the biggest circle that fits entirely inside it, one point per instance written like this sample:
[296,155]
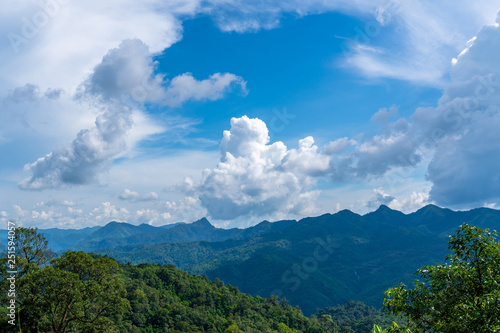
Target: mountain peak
[203,222]
[385,208]
[114,223]
[432,209]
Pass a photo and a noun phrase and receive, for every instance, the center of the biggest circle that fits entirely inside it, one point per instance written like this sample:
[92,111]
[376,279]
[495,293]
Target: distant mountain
[322,261]
[59,239]
[169,226]
[116,234]
[122,234]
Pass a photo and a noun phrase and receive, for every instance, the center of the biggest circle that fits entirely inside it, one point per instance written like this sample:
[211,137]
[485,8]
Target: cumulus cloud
[107,211]
[465,166]
[375,156]
[123,72]
[124,78]
[87,156]
[459,136]
[188,209]
[185,87]
[257,178]
[409,203]
[379,198]
[135,196]
[129,72]
[338,146]
[151,216]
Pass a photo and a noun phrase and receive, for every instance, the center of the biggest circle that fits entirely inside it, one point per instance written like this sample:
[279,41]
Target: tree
[462,295]
[32,250]
[393,329]
[76,293]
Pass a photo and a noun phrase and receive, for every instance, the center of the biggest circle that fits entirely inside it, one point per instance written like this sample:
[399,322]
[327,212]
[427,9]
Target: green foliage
[393,329]
[81,292]
[361,258]
[163,298]
[32,250]
[356,317]
[76,293]
[462,295]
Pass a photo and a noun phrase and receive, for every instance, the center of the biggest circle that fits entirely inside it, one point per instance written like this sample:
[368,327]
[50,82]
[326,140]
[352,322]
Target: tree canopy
[462,295]
[81,292]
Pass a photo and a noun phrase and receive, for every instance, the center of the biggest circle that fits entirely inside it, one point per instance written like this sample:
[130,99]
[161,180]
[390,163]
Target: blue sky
[244,111]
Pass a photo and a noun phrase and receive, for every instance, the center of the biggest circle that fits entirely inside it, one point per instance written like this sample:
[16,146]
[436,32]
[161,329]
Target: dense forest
[321,261]
[84,292]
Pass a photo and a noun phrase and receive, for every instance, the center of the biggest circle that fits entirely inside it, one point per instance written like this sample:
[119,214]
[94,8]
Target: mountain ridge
[325,260]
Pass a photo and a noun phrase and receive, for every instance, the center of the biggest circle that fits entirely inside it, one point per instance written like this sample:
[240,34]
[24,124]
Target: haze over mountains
[315,262]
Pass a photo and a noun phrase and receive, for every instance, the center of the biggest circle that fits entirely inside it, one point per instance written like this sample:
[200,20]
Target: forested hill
[326,260]
[88,293]
[315,263]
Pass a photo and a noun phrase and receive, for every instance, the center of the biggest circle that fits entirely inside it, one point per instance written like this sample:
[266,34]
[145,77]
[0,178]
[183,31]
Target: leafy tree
[393,329]
[462,295]
[32,250]
[357,317]
[77,293]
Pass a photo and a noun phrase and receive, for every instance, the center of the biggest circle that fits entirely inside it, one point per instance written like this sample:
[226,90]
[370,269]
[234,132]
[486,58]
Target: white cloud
[405,203]
[185,209]
[41,112]
[77,34]
[150,216]
[124,72]
[128,195]
[465,167]
[135,196]
[244,16]
[19,211]
[107,211]
[423,36]
[255,178]
[375,156]
[459,137]
[338,146]
[113,87]
[87,156]
[185,87]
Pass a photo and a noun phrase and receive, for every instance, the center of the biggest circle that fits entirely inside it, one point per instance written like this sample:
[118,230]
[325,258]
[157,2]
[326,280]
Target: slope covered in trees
[462,295]
[322,261]
[90,293]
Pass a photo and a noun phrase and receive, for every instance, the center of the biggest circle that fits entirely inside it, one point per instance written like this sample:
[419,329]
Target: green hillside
[326,260]
[89,293]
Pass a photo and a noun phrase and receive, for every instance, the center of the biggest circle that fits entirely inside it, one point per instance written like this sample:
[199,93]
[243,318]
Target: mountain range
[314,262]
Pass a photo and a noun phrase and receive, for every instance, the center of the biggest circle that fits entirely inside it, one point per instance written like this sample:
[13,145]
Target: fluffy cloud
[257,178]
[123,72]
[135,196]
[151,216]
[410,203]
[465,167]
[185,87]
[460,135]
[375,156]
[107,212]
[73,36]
[124,78]
[86,157]
[424,30]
